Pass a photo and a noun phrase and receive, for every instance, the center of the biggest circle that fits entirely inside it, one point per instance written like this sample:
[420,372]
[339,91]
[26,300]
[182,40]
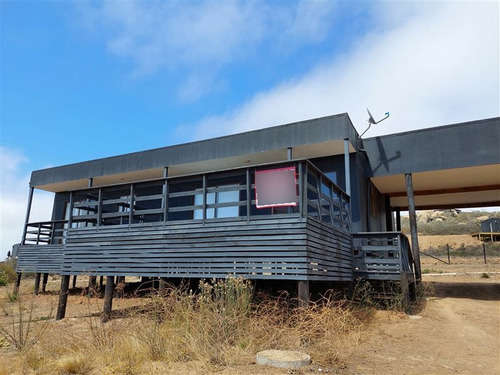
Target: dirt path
[458,333]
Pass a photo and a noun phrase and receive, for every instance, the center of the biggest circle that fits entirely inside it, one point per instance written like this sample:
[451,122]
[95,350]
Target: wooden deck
[171,228]
[287,247]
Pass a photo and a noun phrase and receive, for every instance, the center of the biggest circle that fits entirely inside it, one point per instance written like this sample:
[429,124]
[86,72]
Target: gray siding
[312,131]
[289,248]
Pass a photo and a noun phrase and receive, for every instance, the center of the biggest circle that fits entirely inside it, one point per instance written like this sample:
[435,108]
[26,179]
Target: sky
[82,80]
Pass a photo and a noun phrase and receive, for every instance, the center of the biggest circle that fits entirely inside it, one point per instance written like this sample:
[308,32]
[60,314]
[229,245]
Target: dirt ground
[455,331]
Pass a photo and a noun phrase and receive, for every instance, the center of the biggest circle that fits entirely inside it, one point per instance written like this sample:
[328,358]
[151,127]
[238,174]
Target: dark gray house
[306,201]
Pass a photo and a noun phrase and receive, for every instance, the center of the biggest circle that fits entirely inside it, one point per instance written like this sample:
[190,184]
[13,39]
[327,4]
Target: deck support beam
[44,282]
[108,299]
[17,284]
[163,285]
[37,283]
[303,292]
[413,226]
[63,297]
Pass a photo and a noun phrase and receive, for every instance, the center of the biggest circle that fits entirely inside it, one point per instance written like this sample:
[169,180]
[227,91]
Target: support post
[398,220]
[162,286]
[37,283]
[17,284]
[108,299]
[101,282]
[484,252]
[63,297]
[74,282]
[26,220]
[92,285]
[347,167]
[303,292]
[448,251]
[413,226]
[44,282]
[405,291]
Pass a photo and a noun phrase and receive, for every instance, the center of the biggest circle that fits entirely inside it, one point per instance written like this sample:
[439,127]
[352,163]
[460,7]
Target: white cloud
[439,66]
[14,191]
[201,38]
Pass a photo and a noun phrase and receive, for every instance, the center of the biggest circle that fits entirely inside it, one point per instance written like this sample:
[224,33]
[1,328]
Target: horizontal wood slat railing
[198,227]
[381,255]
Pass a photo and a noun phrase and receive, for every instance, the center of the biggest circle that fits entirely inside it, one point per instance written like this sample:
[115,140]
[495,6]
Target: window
[218,202]
[276,188]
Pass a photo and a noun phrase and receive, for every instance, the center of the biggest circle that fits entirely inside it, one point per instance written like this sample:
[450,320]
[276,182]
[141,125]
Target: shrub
[7,272]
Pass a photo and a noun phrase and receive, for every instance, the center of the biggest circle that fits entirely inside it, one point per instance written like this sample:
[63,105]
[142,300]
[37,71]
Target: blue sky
[84,80]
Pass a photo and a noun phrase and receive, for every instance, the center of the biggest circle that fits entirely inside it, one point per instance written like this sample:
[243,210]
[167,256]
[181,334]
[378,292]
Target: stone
[283,359]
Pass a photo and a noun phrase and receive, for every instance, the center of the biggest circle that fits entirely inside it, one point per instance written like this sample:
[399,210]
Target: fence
[447,253]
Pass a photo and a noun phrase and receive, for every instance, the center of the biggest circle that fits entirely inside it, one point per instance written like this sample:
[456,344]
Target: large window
[221,201]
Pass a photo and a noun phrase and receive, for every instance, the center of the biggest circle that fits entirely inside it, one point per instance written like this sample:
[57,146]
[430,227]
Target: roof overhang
[452,166]
[477,186]
[308,139]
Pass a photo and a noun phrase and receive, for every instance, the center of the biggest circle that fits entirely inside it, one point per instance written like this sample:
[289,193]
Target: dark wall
[454,146]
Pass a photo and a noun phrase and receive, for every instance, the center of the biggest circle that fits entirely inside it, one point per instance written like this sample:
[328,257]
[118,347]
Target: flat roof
[452,166]
[311,138]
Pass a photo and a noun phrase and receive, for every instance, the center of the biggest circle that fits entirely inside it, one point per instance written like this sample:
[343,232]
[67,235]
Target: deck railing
[382,255]
[196,198]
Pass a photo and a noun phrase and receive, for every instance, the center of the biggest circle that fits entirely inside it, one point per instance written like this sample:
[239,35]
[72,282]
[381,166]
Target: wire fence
[447,253]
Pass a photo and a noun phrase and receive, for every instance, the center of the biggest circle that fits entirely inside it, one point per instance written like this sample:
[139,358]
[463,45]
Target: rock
[283,359]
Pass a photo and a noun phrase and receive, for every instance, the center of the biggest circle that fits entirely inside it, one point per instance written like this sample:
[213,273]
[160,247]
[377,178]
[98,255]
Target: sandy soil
[455,330]
[455,241]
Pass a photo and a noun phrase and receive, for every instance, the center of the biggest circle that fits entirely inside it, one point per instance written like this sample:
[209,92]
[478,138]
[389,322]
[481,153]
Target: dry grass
[218,327]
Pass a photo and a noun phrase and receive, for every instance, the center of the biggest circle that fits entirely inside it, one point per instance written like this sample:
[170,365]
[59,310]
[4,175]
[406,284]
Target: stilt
[108,299]
[44,282]
[37,283]
[63,297]
[101,282]
[303,292]
[162,286]
[405,291]
[413,226]
[74,282]
[92,285]
[17,284]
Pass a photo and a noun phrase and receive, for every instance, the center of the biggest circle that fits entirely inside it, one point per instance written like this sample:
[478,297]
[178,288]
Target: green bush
[7,272]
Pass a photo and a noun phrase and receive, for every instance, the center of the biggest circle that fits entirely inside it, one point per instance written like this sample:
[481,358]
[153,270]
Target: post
[303,292]
[347,167]
[63,297]
[44,282]
[448,251]
[405,291]
[27,218]
[398,220]
[108,299]
[92,285]
[484,252]
[17,284]
[165,194]
[413,226]
[74,282]
[37,283]
[162,286]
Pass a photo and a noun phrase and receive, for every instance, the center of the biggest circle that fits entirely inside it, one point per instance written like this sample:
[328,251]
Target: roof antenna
[371,121]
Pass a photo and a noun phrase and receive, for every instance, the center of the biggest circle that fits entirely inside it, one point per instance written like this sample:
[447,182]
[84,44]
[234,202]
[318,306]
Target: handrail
[318,197]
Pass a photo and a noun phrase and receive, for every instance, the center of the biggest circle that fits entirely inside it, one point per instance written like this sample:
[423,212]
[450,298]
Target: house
[306,201]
